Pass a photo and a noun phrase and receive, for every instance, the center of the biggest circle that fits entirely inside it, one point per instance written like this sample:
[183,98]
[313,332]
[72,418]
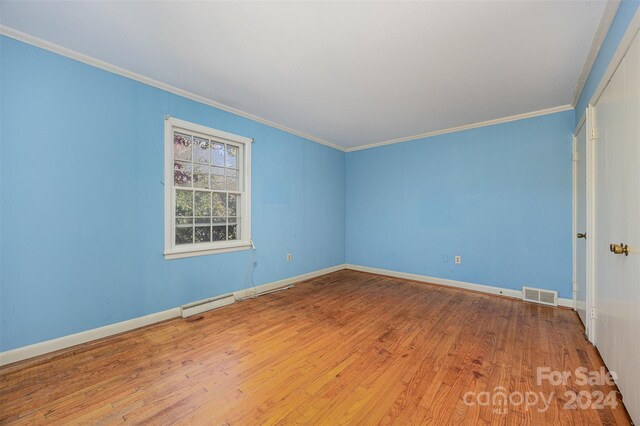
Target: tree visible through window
[208,187]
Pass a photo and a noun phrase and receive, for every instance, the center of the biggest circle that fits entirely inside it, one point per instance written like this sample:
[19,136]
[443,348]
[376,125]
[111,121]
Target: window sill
[191,251]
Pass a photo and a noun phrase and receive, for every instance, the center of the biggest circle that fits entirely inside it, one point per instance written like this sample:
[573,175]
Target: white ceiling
[350,73]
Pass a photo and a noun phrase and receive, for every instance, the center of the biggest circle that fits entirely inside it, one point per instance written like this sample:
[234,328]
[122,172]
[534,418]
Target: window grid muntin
[230,221]
[215,139]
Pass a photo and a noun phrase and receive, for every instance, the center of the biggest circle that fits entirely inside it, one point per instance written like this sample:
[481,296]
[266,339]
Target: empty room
[320,212]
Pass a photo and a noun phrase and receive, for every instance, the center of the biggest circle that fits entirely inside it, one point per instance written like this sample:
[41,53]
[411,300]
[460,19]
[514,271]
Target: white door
[581,224]
[616,119]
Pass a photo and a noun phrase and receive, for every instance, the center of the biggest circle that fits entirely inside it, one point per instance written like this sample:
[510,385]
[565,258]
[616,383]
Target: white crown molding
[466,127]
[72,54]
[63,51]
[609,13]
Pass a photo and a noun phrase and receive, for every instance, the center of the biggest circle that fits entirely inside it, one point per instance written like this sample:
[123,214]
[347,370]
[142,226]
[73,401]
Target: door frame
[589,214]
[591,197]
[574,213]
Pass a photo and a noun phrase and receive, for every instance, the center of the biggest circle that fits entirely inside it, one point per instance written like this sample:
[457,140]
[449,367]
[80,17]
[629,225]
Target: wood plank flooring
[344,348]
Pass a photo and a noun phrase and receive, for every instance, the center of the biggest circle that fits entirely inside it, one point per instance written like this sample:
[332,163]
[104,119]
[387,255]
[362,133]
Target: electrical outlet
[289,257]
[458,260]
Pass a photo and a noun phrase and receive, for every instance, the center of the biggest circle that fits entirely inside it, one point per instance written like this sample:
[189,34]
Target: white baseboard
[566,303]
[452,283]
[285,282]
[30,351]
[206,305]
[37,349]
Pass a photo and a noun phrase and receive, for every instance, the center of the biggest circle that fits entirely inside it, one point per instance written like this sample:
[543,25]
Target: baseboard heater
[251,296]
[206,305]
[538,295]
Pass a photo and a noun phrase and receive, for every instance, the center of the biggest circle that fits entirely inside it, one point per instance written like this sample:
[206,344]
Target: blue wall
[499,196]
[83,201]
[81,166]
[618,27]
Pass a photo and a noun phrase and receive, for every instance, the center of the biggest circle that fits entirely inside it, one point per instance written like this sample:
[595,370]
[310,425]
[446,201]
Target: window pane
[203,234]
[184,221]
[217,154]
[232,180]
[181,173]
[200,176]
[232,156]
[181,147]
[217,178]
[233,204]
[234,228]
[219,233]
[184,235]
[202,203]
[205,172]
[200,150]
[184,203]
[219,204]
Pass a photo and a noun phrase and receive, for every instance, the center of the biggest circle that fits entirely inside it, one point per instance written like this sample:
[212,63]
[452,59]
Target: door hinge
[594,313]
[575,156]
[575,286]
[594,133]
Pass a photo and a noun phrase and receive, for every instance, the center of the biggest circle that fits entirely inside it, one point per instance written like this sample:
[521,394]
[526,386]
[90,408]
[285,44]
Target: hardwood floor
[344,348]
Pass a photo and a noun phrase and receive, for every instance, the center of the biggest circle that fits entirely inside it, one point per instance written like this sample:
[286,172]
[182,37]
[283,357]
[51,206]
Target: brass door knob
[581,235]
[619,249]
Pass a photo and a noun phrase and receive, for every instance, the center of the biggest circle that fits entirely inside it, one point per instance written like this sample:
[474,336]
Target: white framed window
[207,190]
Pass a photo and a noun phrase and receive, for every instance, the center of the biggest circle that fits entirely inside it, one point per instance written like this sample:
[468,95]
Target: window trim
[171,251]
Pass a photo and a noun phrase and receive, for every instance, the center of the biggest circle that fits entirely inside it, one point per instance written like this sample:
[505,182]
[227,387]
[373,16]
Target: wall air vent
[538,295]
